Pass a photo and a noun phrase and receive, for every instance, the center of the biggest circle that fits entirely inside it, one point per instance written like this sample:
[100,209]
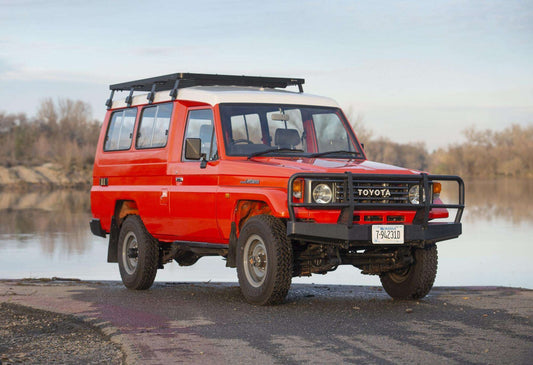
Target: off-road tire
[416,281]
[139,273]
[267,235]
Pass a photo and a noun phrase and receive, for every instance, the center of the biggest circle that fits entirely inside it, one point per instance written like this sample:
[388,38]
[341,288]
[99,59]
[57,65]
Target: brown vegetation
[489,153]
[485,153]
[411,155]
[65,135]
[62,133]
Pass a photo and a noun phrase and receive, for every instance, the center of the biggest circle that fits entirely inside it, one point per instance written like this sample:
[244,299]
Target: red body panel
[180,201]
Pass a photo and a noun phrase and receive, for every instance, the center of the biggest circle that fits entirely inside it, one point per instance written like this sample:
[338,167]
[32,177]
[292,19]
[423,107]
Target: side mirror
[363,146]
[193,151]
[193,148]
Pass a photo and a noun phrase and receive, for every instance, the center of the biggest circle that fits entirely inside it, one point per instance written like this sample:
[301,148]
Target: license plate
[387,234]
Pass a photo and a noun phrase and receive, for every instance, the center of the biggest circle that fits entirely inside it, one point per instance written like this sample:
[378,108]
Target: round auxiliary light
[414,195]
[322,194]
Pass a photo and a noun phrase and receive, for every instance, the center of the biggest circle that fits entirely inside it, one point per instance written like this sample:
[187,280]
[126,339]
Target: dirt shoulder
[32,336]
[210,323]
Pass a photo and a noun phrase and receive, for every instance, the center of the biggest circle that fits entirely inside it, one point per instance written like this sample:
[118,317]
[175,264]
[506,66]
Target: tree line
[61,132]
[484,153]
[64,132]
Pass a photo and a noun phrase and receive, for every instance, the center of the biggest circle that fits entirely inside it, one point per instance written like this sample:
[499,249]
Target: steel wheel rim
[130,263]
[255,261]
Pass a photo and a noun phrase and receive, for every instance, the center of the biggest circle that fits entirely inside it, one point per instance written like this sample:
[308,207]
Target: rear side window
[154,125]
[120,130]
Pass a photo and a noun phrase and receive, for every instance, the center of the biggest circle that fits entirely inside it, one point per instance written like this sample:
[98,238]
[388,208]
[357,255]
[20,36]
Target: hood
[285,167]
[337,165]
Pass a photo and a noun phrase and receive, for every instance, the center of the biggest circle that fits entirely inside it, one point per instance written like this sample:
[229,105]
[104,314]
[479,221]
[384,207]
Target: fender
[228,209]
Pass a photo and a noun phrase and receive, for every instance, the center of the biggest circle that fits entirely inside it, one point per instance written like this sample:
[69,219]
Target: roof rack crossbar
[182,80]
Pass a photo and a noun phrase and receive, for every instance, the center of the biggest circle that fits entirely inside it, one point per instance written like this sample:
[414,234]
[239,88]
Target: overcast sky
[414,70]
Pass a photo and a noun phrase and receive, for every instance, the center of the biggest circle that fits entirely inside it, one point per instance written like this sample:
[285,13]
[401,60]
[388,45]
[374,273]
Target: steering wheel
[243,140]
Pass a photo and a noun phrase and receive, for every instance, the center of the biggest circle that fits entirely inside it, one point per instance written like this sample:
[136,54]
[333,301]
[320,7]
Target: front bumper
[362,234]
[418,231]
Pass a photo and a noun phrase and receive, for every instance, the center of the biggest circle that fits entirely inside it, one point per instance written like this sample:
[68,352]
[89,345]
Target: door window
[200,125]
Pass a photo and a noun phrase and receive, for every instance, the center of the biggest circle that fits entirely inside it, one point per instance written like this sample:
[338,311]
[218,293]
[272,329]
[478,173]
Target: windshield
[288,130]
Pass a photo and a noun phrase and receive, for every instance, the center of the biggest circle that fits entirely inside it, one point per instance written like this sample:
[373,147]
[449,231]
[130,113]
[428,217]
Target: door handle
[179,179]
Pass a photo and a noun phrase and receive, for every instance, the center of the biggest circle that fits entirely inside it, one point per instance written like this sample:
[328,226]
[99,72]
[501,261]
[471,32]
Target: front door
[192,196]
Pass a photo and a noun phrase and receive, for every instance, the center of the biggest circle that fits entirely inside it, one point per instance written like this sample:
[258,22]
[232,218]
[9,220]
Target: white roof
[213,95]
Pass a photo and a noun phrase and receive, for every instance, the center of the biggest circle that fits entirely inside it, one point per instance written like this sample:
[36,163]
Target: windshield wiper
[320,154]
[271,150]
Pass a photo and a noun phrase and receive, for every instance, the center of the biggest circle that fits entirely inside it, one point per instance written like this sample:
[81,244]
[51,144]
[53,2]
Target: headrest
[286,137]
[205,132]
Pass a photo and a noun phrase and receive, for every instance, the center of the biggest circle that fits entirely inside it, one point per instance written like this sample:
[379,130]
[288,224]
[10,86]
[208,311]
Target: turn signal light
[437,188]
[297,190]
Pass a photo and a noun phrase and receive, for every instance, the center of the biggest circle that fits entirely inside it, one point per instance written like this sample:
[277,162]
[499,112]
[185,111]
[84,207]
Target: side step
[202,248]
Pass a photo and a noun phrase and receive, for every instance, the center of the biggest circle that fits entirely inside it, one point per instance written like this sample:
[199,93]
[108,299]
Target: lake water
[46,234]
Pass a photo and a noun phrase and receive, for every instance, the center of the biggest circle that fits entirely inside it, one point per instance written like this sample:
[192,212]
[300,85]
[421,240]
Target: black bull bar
[345,231]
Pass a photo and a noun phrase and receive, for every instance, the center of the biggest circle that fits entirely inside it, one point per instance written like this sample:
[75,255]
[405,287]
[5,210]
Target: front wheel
[138,254]
[264,260]
[415,281]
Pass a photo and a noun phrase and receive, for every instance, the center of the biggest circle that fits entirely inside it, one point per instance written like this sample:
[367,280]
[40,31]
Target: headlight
[414,195]
[322,194]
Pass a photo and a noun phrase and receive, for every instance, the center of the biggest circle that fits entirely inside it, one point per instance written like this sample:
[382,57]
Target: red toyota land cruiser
[274,181]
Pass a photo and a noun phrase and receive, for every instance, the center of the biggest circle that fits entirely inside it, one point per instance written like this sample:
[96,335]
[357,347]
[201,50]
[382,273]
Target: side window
[120,131]
[153,127]
[200,125]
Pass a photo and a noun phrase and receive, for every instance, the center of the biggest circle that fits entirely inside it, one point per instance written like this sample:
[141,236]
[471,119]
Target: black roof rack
[182,80]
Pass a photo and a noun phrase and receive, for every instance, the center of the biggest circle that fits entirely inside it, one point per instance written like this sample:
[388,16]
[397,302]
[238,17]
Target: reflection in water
[500,199]
[59,219]
[45,234]
[506,199]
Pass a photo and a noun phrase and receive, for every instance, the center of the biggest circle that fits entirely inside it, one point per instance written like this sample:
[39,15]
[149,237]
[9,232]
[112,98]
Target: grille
[375,192]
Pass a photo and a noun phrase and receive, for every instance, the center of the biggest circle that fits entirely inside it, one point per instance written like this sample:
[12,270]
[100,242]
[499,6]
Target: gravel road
[210,323]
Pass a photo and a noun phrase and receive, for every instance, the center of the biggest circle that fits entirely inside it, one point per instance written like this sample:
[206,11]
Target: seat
[286,138]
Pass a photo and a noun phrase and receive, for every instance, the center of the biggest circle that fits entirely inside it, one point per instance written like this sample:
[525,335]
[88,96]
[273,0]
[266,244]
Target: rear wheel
[138,254]
[416,280]
[264,260]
